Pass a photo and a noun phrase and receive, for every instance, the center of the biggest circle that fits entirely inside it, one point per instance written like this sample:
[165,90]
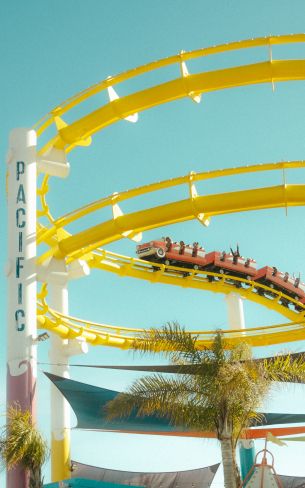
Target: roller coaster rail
[86,244]
[61,131]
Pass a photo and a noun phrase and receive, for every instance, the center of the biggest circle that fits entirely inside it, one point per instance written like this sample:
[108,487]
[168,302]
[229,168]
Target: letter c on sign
[19,314]
[19,212]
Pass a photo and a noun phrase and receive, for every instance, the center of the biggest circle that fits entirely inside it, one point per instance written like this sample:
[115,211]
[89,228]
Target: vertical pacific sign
[21,278]
[20,225]
[22,287]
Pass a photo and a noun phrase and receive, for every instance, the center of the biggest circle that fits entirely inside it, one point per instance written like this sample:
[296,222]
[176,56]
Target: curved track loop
[123,337]
[131,224]
[86,244]
[78,132]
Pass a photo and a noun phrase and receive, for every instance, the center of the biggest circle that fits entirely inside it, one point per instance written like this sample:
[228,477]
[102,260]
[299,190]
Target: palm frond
[219,389]
[172,341]
[285,368]
[151,394]
[21,442]
[179,400]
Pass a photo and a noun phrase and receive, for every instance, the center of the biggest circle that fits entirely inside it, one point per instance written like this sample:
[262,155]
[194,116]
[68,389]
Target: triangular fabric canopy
[88,403]
[181,368]
[86,483]
[196,478]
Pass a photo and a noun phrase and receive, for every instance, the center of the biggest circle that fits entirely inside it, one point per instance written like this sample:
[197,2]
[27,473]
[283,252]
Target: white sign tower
[21,275]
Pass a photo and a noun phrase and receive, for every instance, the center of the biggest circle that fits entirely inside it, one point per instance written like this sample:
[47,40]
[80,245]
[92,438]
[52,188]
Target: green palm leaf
[222,391]
[21,443]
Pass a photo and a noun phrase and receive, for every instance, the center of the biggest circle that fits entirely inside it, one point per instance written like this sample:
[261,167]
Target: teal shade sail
[87,483]
[88,403]
[181,368]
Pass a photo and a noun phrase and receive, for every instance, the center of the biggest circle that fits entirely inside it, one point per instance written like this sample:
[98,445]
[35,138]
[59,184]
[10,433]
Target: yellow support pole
[60,450]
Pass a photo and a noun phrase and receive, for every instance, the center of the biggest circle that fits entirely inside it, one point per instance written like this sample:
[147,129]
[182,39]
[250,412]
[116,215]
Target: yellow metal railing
[86,244]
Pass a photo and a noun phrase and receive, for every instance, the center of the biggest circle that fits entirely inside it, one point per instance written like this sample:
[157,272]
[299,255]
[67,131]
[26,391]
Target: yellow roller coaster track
[86,244]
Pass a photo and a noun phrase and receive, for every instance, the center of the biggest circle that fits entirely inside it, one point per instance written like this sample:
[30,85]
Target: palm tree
[21,443]
[218,390]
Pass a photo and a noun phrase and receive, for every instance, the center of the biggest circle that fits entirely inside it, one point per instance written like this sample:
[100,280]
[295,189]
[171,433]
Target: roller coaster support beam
[57,275]
[21,275]
[235,309]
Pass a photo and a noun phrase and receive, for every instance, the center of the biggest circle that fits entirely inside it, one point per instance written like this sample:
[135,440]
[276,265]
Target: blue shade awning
[88,483]
[88,403]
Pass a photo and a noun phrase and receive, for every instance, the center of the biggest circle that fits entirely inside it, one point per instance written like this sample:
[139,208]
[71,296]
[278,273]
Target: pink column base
[21,390]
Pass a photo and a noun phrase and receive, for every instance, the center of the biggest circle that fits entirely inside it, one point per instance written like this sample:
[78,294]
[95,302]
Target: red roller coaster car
[183,255]
[291,286]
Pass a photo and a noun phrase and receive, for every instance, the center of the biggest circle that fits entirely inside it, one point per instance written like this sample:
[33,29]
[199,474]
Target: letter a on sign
[21,194]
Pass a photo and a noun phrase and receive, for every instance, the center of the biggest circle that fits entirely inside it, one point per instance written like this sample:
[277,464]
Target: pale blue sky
[50,50]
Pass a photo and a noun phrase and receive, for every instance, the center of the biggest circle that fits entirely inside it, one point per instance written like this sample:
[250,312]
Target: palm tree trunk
[236,468]
[228,462]
[35,478]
